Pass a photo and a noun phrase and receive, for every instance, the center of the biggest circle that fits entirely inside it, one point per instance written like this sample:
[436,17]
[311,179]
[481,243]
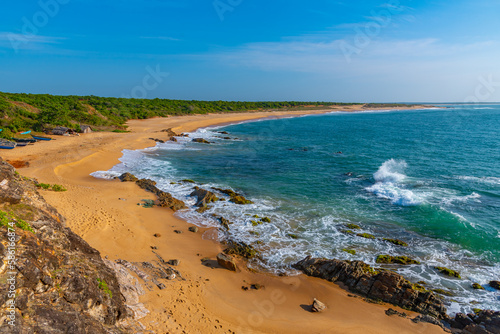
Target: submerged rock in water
[448,272]
[386,286]
[388,259]
[234,196]
[204,197]
[226,261]
[201,140]
[495,285]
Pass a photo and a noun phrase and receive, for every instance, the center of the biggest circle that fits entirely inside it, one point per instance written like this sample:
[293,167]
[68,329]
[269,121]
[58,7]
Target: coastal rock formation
[234,196]
[204,197]
[127,177]
[61,283]
[385,286]
[164,199]
[485,322]
[170,132]
[495,285]
[201,140]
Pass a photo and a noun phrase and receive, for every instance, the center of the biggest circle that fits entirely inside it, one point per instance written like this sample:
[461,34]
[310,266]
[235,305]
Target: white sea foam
[390,185]
[486,179]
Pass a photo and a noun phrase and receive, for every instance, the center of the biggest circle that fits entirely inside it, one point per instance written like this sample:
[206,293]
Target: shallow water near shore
[428,177]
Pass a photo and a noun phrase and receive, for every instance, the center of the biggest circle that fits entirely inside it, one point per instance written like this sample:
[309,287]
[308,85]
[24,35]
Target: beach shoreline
[105,213]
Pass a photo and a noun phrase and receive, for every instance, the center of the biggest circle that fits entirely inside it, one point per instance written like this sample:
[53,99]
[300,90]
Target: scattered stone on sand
[226,261]
[317,306]
[193,229]
[178,231]
[157,235]
[173,262]
[256,286]
[154,247]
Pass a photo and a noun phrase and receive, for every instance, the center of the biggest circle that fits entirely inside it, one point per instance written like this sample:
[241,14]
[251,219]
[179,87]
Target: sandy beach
[211,300]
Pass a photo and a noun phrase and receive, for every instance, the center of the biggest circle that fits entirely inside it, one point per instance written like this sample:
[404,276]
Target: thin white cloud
[162,38]
[18,41]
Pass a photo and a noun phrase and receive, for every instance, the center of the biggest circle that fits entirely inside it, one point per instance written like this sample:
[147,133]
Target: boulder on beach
[164,199]
[226,261]
[317,306]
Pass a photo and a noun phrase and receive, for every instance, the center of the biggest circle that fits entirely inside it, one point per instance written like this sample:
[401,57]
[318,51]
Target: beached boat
[21,144]
[37,137]
[7,144]
[24,140]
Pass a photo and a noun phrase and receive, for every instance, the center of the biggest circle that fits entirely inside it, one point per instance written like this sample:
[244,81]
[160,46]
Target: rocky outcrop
[164,199]
[201,141]
[204,197]
[484,322]
[61,283]
[386,286]
[170,132]
[495,285]
[127,177]
[234,196]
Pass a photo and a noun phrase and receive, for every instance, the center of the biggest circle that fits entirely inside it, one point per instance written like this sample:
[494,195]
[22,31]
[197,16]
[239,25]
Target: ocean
[429,177]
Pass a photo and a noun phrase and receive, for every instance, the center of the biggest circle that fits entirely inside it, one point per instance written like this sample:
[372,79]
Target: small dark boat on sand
[37,137]
[7,144]
[24,140]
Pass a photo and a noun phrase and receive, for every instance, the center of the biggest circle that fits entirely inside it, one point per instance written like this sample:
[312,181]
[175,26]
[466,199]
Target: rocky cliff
[59,283]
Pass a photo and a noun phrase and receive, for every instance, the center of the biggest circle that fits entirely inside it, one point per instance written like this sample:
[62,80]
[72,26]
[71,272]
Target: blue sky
[324,50]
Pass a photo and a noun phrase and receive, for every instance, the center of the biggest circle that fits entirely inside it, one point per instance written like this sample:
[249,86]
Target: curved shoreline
[212,299]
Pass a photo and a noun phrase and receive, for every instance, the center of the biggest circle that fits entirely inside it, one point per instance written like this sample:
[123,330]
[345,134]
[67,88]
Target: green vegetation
[255,223]
[476,310]
[8,219]
[477,286]
[404,260]
[353,226]
[188,181]
[347,232]
[53,187]
[104,287]
[266,220]
[40,111]
[293,236]
[448,272]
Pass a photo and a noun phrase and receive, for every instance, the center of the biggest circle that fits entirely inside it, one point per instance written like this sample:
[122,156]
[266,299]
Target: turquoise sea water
[428,177]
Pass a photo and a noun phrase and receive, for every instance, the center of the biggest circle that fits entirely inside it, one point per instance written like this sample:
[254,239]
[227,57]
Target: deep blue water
[428,177]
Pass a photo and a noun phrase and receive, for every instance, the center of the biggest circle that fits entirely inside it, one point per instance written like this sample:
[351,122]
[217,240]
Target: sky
[254,50]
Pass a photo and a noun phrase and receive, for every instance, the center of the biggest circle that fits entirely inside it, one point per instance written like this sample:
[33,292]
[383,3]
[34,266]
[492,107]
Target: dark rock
[241,249]
[170,132]
[173,139]
[486,321]
[461,321]
[173,262]
[226,261]
[396,242]
[353,226]
[386,286]
[127,177]
[204,209]
[495,285]
[201,140]
[448,272]
[256,286]
[317,306]
[234,196]
[157,235]
[193,229]
[178,231]
[430,320]
[391,312]
[204,197]
[223,132]
[164,198]
[154,247]
[224,222]
[477,286]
